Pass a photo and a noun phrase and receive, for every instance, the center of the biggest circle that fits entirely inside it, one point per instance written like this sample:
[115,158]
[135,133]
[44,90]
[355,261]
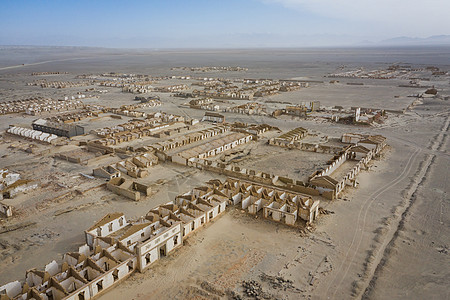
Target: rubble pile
[280,283]
[252,288]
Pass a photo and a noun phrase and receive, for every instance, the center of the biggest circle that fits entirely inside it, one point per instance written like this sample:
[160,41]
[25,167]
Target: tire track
[433,147]
[384,230]
[385,254]
[364,208]
[407,122]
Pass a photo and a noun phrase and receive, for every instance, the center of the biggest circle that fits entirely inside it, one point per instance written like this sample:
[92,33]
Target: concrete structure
[81,275]
[135,167]
[298,110]
[128,188]
[319,148]
[292,135]
[38,105]
[108,172]
[115,247]
[359,154]
[129,168]
[186,139]
[149,238]
[32,134]
[352,138]
[251,108]
[278,205]
[135,129]
[11,184]
[59,129]
[213,117]
[213,148]
[5,210]
[198,207]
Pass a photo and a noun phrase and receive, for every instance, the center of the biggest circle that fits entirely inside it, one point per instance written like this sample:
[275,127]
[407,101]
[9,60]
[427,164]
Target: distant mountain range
[411,41]
[238,40]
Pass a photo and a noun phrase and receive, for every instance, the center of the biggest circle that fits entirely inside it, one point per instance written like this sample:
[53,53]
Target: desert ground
[389,237]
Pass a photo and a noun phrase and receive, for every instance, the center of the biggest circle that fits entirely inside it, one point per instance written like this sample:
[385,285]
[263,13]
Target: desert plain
[386,237]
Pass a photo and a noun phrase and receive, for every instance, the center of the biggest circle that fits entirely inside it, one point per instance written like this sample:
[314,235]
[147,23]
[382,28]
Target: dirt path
[387,246]
[355,243]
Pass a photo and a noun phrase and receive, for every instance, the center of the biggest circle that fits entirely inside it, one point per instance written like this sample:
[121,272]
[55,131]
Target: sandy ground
[389,237]
[293,163]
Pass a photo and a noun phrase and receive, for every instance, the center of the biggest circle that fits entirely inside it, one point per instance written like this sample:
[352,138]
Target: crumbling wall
[96,147]
[11,290]
[319,148]
[145,189]
[328,195]
[108,172]
[6,210]
[18,187]
[133,195]
[335,164]
[258,177]
[300,188]
[128,188]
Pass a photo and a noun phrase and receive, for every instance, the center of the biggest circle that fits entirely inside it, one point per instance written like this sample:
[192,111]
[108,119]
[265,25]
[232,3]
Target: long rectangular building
[212,148]
[59,129]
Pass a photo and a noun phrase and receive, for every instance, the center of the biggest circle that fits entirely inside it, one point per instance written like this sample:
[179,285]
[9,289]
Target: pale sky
[211,23]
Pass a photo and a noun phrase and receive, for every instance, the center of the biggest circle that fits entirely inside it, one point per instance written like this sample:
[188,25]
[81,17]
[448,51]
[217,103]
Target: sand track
[361,221]
[373,258]
[367,284]
[420,176]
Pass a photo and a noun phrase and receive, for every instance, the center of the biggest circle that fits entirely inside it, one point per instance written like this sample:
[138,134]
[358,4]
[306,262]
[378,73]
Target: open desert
[383,233]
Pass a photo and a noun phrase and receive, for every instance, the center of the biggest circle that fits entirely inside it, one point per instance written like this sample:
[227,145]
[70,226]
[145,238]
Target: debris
[209,287]
[252,288]
[324,211]
[279,283]
[87,176]
[17,227]
[311,281]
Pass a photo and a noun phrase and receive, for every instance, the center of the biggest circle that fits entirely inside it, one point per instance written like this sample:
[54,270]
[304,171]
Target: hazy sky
[211,23]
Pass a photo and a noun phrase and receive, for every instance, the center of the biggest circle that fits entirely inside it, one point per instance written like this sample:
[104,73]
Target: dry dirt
[387,238]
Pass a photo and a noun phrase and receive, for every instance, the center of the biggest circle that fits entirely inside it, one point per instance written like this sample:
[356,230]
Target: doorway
[81,296]
[162,251]
[115,275]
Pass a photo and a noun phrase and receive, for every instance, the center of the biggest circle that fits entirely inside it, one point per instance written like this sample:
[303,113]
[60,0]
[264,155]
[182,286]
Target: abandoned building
[108,172]
[59,129]
[254,129]
[356,157]
[128,188]
[189,138]
[135,167]
[116,247]
[376,142]
[81,275]
[32,134]
[251,108]
[38,105]
[12,184]
[204,103]
[277,204]
[149,238]
[367,116]
[213,117]
[290,136]
[211,148]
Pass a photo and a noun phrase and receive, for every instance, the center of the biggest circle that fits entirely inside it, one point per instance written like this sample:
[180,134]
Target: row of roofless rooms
[343,168]
[115,247]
